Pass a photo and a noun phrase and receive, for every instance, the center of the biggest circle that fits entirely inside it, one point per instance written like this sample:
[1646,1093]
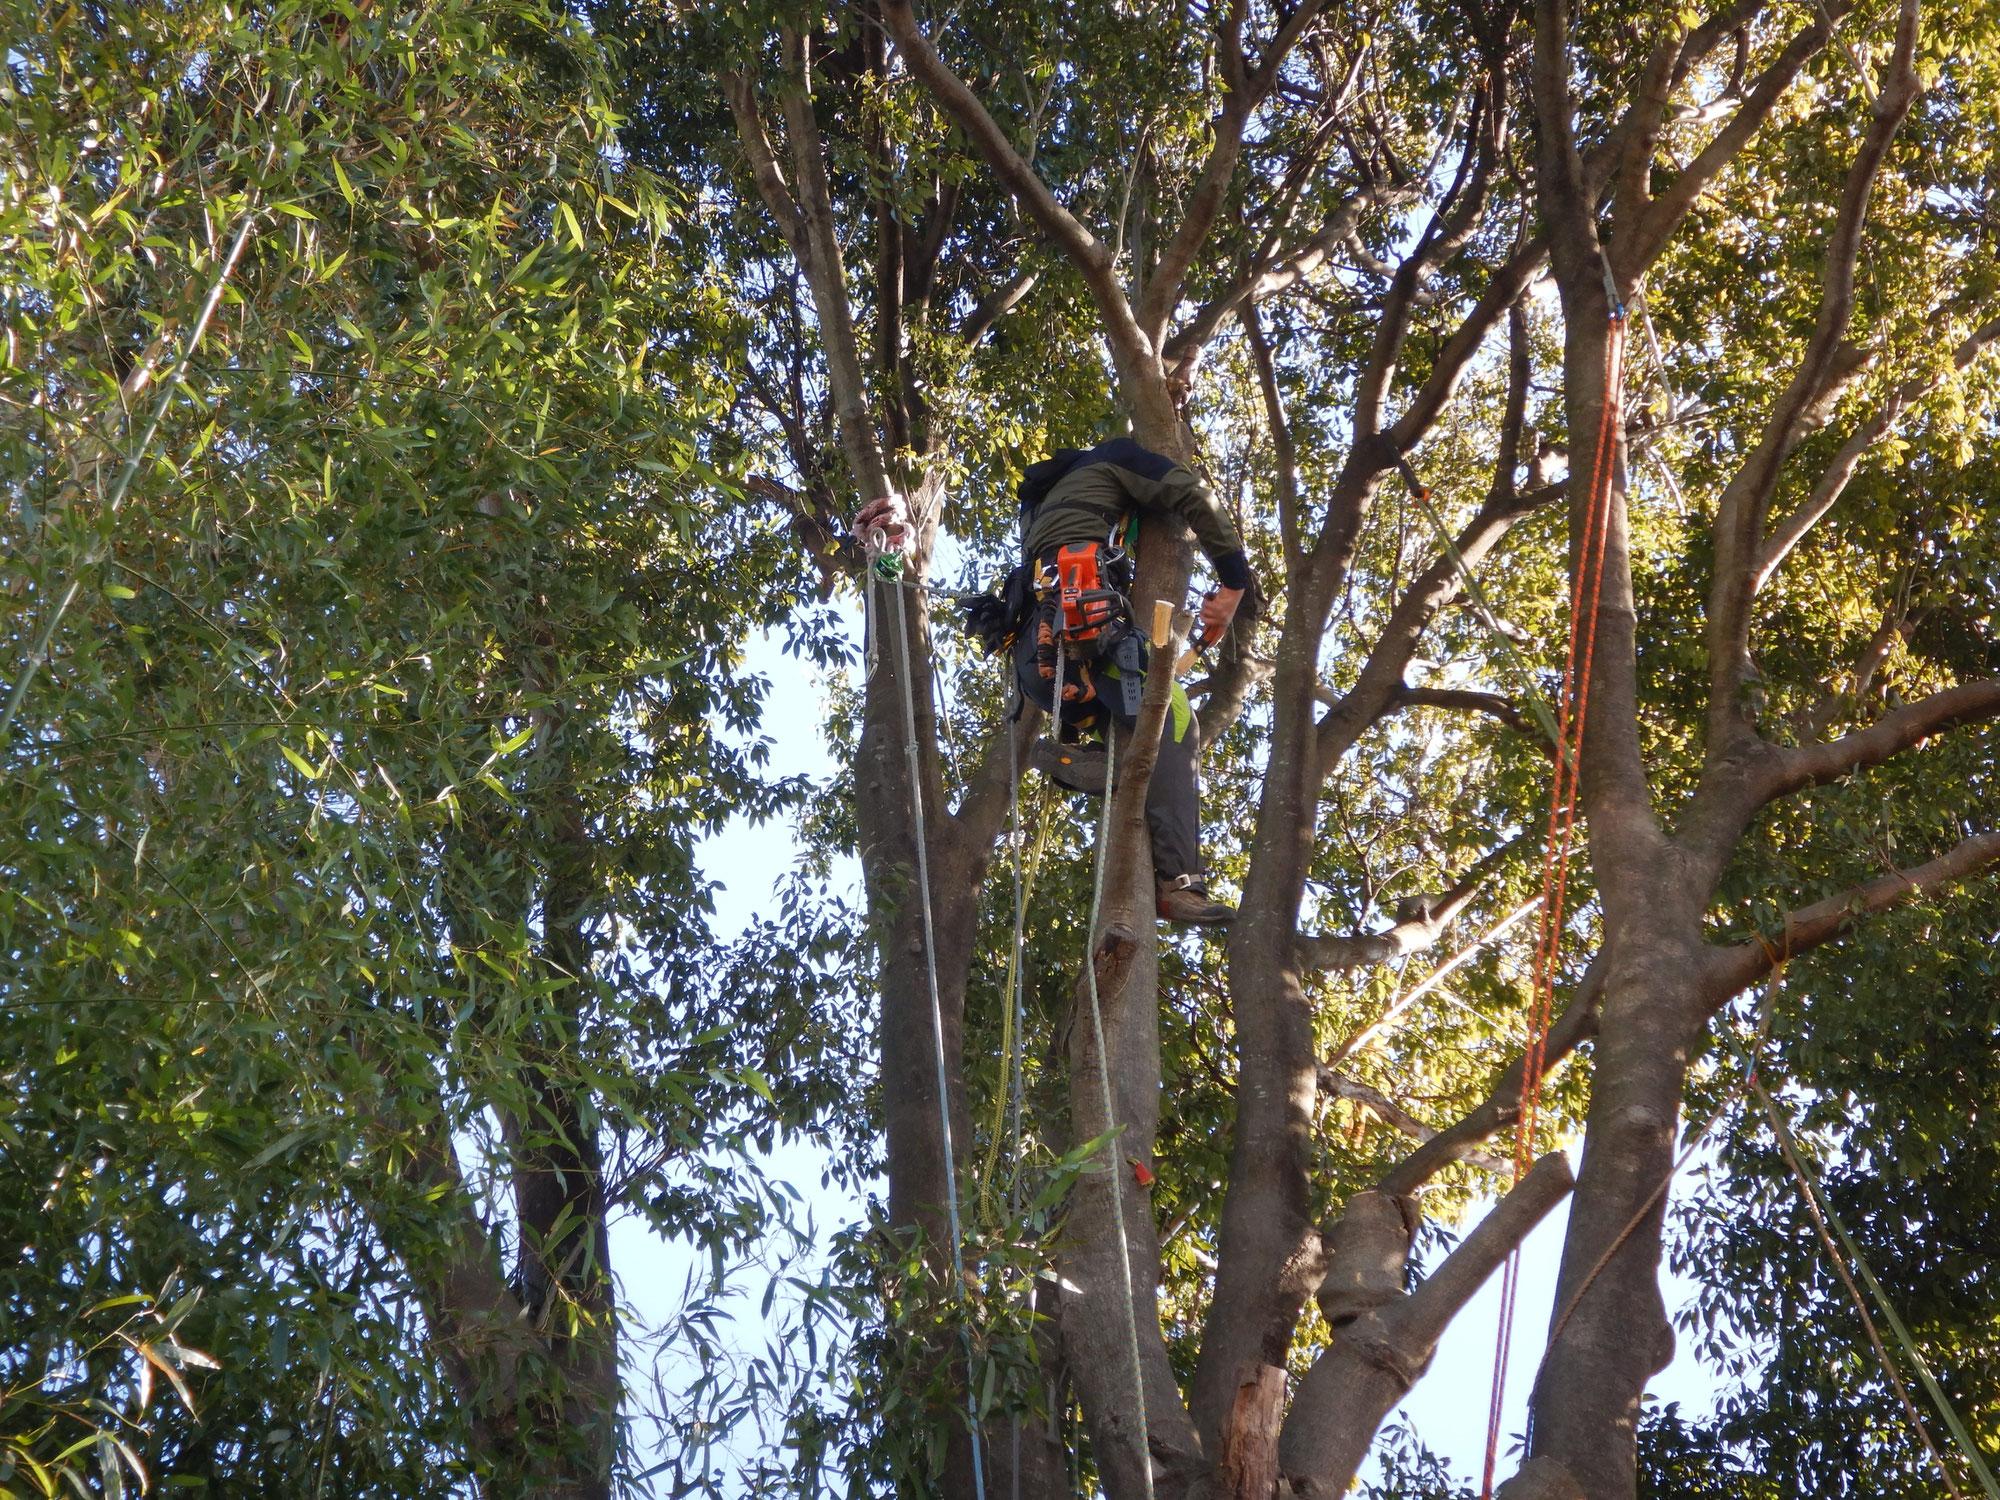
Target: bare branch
[1287,268]
[995,305]
[1380,681]
[1284,458]
[1401,1004]
[1391,1114]
[1576,1024]
[1732,970]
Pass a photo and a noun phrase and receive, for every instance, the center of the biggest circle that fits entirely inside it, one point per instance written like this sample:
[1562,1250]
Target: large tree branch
[1733,970]
[1828,489]
[1828,361]
[1239,97]
[1514,276]
[1383,1339]
[1907,727]
[1665,213]
[1734,786]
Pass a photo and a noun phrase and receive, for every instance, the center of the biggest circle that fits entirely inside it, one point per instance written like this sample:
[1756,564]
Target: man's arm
[1165,485]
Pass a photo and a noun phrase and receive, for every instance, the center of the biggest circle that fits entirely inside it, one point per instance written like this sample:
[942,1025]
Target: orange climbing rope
[1572,714]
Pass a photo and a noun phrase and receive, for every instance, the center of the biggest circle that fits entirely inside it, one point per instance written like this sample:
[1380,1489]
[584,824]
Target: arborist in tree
[1066,616]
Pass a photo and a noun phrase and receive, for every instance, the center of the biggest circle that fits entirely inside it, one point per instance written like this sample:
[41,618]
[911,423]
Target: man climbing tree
[1073,631]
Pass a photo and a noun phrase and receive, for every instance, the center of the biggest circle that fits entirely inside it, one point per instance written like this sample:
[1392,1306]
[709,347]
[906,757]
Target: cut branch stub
[1249,1466]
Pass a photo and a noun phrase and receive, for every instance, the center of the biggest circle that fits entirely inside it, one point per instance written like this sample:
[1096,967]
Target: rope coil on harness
[880,563]
[1586,588]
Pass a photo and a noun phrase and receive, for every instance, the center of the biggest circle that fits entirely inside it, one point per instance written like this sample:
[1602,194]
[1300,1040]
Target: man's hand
[890,517]
[1218,608]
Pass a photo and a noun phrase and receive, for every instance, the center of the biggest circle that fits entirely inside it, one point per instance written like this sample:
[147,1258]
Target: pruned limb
[1249,1463]
[1401,1004]
[1377,1354]
[1828,362]
[1827,490]
[1498,705]
[1576,1024]
[1733,970]
[1393,1115]
[1416,929]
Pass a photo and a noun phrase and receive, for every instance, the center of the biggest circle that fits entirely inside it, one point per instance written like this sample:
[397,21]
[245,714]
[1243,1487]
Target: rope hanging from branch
[885,567]
[1573,709]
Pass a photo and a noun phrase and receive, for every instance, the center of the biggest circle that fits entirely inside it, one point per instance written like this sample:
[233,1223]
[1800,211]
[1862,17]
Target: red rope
[1586,589]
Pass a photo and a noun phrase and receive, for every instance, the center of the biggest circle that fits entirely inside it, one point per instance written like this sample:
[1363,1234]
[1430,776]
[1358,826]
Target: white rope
[914,770]
[1018,1004]
[1104,1058]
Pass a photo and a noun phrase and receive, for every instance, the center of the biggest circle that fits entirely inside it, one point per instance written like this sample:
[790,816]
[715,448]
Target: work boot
[1184,899]
[1077,767]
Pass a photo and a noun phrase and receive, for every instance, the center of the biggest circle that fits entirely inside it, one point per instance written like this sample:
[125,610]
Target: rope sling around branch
[878,562]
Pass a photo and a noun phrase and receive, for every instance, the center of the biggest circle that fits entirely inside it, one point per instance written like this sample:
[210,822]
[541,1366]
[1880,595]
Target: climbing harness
[886,567]
[1573,710]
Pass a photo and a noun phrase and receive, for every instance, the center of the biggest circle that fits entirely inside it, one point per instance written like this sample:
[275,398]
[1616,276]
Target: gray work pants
[1173,801]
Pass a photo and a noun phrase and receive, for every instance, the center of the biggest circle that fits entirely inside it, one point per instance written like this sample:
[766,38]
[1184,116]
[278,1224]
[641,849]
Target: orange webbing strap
[1572,709]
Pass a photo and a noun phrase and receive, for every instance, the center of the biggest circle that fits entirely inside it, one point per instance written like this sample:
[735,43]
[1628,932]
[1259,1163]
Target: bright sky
[1448,1407]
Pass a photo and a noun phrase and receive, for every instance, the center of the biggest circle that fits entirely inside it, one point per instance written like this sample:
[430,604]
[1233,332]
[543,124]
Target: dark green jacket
[1084,496]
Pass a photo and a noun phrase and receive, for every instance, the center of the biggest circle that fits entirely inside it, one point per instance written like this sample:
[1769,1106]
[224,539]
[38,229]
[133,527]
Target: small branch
[1444,971]
[1390,1114]
[1499,706]
[1733,970]
[994,306]
[1577,1024]
[1267,278]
